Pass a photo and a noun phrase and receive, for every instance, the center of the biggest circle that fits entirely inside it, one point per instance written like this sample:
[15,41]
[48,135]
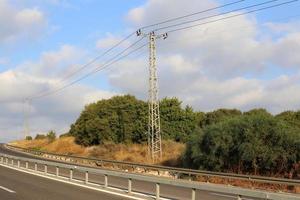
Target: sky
[247,62]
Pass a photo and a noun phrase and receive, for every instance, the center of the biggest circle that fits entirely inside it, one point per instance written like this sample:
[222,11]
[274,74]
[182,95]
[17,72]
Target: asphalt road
[17,180]
[15,185]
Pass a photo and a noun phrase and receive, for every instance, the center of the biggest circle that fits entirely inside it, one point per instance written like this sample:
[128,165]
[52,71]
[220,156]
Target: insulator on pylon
[138,32]
[165,36]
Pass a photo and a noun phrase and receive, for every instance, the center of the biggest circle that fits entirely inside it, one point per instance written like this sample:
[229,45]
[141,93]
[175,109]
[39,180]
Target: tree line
[223,140]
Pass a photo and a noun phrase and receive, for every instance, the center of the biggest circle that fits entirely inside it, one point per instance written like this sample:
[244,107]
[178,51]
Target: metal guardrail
[157,181]
[176,172]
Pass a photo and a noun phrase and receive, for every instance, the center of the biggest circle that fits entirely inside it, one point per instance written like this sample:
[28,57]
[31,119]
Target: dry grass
[31,144]
[138,152]
[121,152]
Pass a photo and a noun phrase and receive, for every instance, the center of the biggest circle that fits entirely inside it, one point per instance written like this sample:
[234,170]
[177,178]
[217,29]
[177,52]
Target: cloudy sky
[245,62]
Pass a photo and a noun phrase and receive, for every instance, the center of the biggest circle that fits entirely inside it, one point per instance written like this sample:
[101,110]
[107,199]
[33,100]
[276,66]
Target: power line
[130,35]
[90,62]
[132,45]
[42,94]
[97,57]
[127,37]
[217,32]
[216,15]
[232,16]
[107,64]
[192,14]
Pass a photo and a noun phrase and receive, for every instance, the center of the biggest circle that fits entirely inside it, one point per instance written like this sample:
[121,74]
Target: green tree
[217,116]
[28,138]
[40,137]
[256,142]
[51,136]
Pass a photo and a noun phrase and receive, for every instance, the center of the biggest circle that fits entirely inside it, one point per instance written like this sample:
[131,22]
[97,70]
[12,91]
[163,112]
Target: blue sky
[243,63]
[80,23]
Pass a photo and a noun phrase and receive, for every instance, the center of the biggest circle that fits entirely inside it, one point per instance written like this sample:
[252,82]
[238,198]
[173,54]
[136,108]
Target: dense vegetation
[223,140]
[253,142]
[123,119]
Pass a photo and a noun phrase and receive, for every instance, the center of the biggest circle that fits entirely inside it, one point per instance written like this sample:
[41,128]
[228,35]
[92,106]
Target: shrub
[40,137]
[51,136]
[28,138]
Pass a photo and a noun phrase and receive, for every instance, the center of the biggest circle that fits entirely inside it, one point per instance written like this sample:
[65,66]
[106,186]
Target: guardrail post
[1,159]
[157,191]
[105,180]
[86,177]
[71,174]
[129,185]
[46,169]
[193,194]
[26,165]
[18,163]
[35,166]
[6,160]
[12,162]
[57,171]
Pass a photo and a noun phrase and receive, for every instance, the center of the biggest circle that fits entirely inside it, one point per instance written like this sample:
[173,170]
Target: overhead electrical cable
[232,16]
[102,67]
[97,57]
[192,14]
[120,53]
[42,94]
[215,15]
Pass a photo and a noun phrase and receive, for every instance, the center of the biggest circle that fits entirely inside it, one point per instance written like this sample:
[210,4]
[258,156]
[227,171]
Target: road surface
[33,187]
[15,185]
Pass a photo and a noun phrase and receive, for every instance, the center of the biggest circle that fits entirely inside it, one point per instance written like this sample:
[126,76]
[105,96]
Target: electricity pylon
[154,131]
[26,110]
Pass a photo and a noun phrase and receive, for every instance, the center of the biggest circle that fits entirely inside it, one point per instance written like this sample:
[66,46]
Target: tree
[28,138]
[124,119]
[40,137]
[256,142]
[217,116]
[51,136]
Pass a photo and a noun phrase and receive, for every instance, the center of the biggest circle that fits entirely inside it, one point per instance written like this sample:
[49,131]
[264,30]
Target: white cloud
[55,64]
[107,42]
[207,66]
[19,23]
[57,111]
[157,10]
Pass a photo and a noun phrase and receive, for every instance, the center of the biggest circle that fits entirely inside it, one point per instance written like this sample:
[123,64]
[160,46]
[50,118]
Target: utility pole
[26,110]
[154,131]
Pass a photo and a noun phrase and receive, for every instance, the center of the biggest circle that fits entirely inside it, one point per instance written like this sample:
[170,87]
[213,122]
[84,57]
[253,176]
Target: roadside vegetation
[228,140]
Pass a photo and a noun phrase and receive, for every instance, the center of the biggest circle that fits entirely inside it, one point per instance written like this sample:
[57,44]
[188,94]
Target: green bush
[40,137]
[28,138]
[124,119]
[254,142]
[51,136]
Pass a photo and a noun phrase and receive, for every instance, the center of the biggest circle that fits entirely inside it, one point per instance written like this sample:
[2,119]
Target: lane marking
[127,196]
[6,189]
[228,196]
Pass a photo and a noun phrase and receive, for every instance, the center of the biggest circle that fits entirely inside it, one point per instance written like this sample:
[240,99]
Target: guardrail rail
[23,163]
[178,173]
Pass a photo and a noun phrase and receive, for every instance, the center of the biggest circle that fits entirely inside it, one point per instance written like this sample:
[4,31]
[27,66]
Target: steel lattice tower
[154,131]
[154,135]
[26,110]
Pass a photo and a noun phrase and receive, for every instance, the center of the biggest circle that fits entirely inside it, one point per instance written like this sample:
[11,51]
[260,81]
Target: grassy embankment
[133,153]
[121,152]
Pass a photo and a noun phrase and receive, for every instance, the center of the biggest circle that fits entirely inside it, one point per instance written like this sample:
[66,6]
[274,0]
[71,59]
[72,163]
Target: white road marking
[228,196]
[6,189]
[65,180]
